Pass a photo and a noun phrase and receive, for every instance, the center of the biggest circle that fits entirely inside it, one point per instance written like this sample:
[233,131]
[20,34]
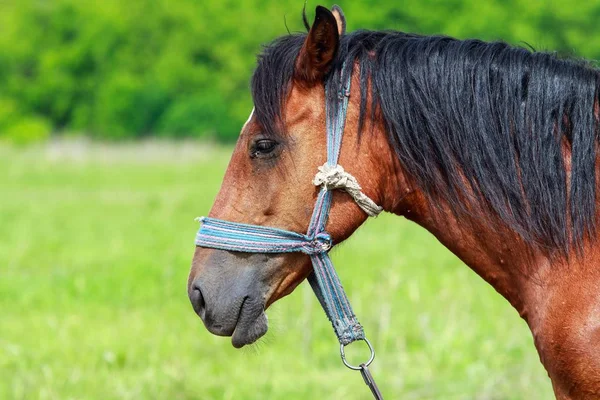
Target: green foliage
[20,129]
[199,116]
[117,69]
[27,130]
[9,113]
[128,106]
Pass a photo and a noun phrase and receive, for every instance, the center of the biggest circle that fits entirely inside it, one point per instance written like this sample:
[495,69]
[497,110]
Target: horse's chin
[250,328]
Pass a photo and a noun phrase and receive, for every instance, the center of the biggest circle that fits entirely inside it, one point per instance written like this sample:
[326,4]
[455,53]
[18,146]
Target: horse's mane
[492,130]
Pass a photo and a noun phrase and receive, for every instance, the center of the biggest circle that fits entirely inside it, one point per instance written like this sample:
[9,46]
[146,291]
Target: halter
[233,236]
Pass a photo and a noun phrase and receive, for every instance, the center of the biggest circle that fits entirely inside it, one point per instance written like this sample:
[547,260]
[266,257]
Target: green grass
[95,247]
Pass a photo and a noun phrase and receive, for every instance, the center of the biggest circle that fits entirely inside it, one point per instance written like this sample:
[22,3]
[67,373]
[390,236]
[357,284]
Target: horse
[490,147]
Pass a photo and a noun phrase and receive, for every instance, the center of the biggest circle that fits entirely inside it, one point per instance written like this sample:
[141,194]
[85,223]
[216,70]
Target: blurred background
[116,124]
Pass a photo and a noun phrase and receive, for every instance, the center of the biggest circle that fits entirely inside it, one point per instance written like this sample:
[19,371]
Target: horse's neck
[524,276]
[496,256]
[559,298]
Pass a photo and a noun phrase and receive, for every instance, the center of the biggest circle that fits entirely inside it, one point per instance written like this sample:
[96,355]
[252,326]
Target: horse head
[269,180]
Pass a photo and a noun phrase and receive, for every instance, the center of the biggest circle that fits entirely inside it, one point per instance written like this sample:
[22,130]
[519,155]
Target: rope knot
[334,177]
[321,243]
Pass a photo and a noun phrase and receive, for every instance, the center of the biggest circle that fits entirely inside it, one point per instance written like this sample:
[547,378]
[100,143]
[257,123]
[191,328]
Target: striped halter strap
[232,236]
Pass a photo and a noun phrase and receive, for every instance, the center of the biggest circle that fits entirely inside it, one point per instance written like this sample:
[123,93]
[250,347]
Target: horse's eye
[263,147]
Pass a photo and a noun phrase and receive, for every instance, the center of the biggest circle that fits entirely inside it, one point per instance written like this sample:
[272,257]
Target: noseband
[233,236]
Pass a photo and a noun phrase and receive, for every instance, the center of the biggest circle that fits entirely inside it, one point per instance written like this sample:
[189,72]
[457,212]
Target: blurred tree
[116,69]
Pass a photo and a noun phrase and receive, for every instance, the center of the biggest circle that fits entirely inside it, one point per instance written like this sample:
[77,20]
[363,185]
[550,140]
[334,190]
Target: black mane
[484,126]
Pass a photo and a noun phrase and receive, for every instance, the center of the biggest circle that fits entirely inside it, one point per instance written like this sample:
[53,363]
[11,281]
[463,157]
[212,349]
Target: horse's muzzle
[228,297]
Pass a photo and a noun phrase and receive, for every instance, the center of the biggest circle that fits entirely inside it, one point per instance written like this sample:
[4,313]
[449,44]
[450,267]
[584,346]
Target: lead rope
[233,236]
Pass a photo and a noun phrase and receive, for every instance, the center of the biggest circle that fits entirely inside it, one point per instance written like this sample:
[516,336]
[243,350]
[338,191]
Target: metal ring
[359,367]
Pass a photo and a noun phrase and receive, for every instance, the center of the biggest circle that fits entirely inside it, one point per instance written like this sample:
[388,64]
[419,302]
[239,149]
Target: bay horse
[492,148]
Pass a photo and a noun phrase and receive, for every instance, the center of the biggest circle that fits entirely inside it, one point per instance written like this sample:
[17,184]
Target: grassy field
[95,247]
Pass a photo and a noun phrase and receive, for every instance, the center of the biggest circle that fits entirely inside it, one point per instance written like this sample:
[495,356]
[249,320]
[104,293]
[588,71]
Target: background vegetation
[126,69]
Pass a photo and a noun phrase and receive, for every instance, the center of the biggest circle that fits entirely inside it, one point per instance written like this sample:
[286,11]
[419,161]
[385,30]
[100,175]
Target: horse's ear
[340,19]
[319,49]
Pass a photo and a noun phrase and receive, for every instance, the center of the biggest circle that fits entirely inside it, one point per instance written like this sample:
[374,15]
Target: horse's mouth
[245,327]
[252,323]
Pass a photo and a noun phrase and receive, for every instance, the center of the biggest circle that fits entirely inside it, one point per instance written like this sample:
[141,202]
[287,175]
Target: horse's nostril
[197,300]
